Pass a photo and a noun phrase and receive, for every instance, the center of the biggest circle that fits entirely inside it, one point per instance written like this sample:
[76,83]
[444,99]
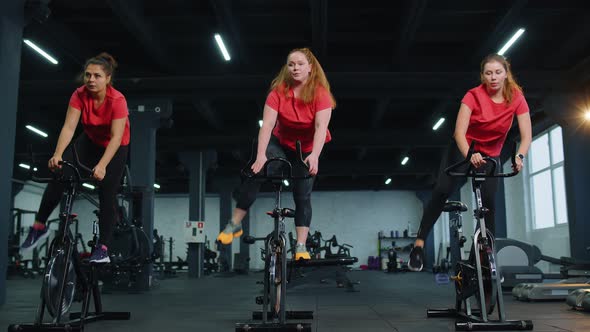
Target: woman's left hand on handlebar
[518,166]
[99,172]
[313,162]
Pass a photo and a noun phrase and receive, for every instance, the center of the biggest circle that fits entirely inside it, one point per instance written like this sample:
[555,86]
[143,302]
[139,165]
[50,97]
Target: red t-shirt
[97,121]
[296,120]
[490,122]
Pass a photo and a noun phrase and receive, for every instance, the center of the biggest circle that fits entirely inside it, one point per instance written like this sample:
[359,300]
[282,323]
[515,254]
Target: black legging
[445,185]
[89,154]
[247,191]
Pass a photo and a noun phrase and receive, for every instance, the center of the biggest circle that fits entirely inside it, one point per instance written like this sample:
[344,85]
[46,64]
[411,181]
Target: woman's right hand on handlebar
[258,164]
[477,160]
[54,163]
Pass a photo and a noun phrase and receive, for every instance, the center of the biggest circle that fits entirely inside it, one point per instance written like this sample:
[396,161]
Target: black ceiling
[395,67]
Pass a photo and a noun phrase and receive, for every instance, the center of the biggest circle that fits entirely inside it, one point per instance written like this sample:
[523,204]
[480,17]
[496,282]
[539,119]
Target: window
[546,180]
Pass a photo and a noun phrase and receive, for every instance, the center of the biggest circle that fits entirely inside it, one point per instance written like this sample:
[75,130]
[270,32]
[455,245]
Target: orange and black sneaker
[229,233]
[301,252]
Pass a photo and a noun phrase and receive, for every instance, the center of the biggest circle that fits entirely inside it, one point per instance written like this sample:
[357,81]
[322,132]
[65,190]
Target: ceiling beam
[411,21]
[356,168]
[226,18]
[376,119]
[500,35]
[577,42]
[130,13]
[319,27]
[350,84]
[63,39]
[380,110]
[381,139]
[208,113]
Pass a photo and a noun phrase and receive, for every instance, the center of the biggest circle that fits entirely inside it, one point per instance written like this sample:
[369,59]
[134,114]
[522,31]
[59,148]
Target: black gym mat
[385,302]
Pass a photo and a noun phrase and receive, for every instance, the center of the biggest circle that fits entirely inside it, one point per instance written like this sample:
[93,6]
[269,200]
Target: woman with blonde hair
[298,107]
[485,116]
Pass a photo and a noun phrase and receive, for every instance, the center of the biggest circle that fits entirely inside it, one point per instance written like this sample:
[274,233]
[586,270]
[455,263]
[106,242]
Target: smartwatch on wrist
[521,156]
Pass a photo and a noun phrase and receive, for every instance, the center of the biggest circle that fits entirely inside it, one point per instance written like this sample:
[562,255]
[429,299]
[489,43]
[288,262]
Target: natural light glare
[547,180]
[587,115]
[539,156]
[542,200]
[556,139]
[560,194]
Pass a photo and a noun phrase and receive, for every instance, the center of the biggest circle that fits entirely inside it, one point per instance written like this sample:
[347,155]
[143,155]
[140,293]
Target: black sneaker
[100,255]
[34,237]
[416,259]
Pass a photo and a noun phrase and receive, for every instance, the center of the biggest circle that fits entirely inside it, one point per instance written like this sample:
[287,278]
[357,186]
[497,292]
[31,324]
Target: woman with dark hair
[104,145]
[300,104]
[485,116]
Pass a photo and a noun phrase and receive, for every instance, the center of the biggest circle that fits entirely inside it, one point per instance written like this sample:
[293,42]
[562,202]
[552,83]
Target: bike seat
[454,206]
[284,212]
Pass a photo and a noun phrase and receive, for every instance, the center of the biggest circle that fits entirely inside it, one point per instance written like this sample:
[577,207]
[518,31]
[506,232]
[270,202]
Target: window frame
[551,169]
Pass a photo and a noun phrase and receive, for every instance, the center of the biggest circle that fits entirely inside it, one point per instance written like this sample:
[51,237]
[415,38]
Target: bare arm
[526,137]
[65,137]
[461,129]
[526,132]
[460,132]
[269,119]
[322,119]
[67,131]
[117,130]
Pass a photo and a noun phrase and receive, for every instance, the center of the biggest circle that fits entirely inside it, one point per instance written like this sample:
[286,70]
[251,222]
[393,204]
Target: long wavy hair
[283,81]
[510,86]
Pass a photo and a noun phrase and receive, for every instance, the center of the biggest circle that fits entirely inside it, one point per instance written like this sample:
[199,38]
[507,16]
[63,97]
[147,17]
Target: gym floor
[384,302]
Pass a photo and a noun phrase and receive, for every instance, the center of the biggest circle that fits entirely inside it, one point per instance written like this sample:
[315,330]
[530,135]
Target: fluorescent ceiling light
[222,48]
[157,186]
[388,181]
[260,123]
[88,185]
[438,123]
[511,41]
[286,182]
[405,160]
[40,51]
[587,115]
[36,131]
[25,166]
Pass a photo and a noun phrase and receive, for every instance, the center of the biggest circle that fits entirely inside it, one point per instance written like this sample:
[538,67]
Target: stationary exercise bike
[478,275]
[274,316]
[67,277]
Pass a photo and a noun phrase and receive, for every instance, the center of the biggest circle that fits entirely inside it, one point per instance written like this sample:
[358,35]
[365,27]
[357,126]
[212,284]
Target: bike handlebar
[472,172]
[75,166]
[264,174]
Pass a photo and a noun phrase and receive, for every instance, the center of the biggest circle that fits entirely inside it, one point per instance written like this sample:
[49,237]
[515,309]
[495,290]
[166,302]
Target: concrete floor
[384,302]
